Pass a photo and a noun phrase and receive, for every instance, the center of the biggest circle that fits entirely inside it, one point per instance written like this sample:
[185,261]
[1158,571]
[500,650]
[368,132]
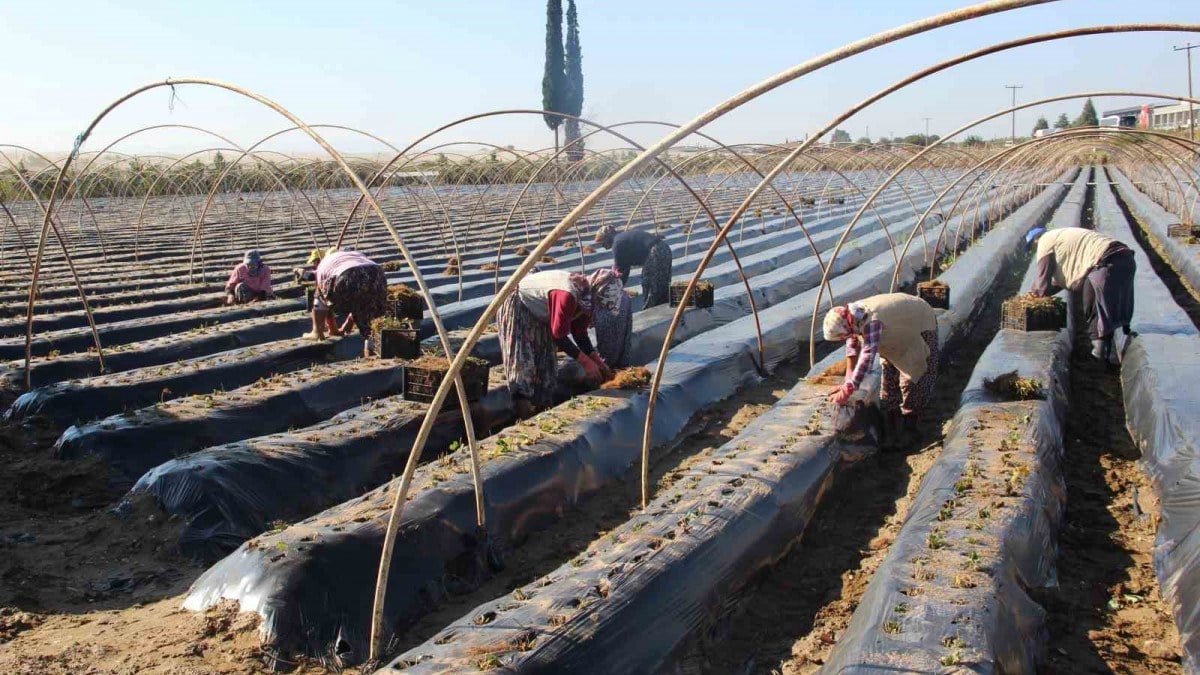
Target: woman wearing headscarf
[250,281]
[900,330]
[552,310]
[348,283]
[639,247]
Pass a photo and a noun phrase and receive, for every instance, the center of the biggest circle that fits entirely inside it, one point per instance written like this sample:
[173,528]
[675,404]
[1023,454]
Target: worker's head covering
[838,324]
[601,289]
[605,236]
[1032,237]
[253,261]
[317,255]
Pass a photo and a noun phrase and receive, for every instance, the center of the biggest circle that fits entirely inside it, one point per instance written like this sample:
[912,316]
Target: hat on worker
[604,236]
[252,257]
[1033,235]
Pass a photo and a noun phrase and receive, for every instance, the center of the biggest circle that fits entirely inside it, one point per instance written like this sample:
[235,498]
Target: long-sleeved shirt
[866,349]
[630,249]
[568,321]
[258,284]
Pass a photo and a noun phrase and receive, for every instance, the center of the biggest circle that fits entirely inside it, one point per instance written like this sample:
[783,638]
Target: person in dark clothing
[1100,268]
[633,248]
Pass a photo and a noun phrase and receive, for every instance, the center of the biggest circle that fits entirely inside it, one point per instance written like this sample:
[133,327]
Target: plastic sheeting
[136,442]
[78,401]
[314,600]
[1183,257]
[635,597]
[1162,410]
[132,330]
[227,494]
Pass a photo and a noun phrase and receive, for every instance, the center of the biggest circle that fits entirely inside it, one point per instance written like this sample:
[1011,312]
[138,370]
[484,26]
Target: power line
[1187,49]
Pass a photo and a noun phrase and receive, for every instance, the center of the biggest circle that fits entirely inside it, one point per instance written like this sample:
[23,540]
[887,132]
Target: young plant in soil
[1012,387]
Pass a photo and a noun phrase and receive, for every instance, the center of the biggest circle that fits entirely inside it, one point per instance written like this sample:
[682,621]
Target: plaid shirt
[866,348]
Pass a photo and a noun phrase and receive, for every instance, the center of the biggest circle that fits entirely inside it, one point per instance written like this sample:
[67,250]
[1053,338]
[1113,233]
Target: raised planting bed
[935,293]
[1183,255]
[83,400]
[1030,314]
[423,376]
[133,330]
[227,494]
[702,297]
[156,351]
[133,443]
[982,531]
[317,603]
[395,339]
[660,581]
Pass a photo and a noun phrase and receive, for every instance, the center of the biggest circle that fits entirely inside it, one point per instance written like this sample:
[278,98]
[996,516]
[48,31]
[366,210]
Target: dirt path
[802,607]
[1106,615]
[579,527]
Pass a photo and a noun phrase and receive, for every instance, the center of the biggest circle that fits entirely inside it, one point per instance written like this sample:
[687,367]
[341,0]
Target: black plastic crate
[702,297]
[420,383]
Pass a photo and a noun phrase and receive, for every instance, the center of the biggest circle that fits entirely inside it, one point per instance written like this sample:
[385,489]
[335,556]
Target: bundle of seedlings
[936,293]
[1012,387]
[395,338]
[391,266]
[452,267]
[488,267]
[521,251]
[587,249]
[548,260]
[406,302]
[423,376]
[628,378]
[702,297]
[1029,313]
[833,375]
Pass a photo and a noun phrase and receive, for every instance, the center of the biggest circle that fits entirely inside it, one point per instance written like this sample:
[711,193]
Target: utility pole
[1014,88]
[926,129]
[1187,49]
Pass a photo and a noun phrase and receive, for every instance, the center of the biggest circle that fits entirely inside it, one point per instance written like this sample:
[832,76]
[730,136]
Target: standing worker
[250,281]
[549,310]
[639,247]
[901,330]
[1101,268]
[350,283]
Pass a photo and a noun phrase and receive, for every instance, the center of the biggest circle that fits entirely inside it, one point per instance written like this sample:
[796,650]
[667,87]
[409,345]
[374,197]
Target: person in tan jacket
[1100,268]
[901,330]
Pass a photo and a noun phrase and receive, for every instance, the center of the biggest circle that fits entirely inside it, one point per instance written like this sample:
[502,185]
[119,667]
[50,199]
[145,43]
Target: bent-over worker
[1100,268]
[250,281]
[638,247]
[349,283]
[901,330]
[552,310]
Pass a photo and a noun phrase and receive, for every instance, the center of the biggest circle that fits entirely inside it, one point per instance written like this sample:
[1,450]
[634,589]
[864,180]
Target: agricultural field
[192,486]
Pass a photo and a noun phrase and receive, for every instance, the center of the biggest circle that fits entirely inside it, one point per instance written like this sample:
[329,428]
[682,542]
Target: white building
[1173,117]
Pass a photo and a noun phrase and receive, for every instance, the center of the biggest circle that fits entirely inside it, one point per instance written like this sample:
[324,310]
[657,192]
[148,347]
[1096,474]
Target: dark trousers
[1108,296]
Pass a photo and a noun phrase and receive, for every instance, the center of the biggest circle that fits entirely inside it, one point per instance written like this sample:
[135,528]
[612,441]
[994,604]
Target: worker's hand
[842,393]
[604,369]
[591,368]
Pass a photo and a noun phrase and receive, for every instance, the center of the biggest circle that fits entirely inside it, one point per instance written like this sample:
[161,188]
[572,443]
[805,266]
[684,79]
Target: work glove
[605,371]
[842,393]
[591,368]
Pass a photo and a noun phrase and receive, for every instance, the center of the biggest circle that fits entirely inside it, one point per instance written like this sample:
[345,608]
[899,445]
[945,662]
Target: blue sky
[402,68]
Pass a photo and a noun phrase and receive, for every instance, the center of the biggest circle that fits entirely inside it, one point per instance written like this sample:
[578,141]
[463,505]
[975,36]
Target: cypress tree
[1087,117]
[574,81]
[554,77]
[1041,124]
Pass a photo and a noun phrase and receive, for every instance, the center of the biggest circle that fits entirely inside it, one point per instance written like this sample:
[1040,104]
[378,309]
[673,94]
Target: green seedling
[936,540]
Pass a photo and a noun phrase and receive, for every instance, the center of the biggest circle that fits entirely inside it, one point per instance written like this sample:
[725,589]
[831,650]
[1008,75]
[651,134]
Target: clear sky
[401,68]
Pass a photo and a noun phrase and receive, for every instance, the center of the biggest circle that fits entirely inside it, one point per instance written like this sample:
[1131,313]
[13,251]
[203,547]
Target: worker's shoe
[1103,351]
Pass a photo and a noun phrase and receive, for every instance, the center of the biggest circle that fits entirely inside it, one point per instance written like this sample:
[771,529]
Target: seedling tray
[1182,231]
[396,343]
[936,293]
[1028,314]
[411,308]
[421,383]
[702,297]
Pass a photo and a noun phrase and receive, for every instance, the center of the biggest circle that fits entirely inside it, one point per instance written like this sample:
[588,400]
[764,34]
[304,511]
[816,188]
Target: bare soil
[1107,614]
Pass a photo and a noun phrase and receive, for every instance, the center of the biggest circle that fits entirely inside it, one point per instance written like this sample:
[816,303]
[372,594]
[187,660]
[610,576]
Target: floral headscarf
[601,288]
[842,321]
[605,236]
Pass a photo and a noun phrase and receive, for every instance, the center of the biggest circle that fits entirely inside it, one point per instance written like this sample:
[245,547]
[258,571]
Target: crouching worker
[549,311]
[901,330]
[348,283]
[641,248]
[1098,267]
[250,281]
